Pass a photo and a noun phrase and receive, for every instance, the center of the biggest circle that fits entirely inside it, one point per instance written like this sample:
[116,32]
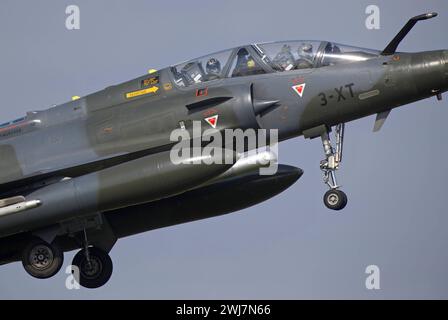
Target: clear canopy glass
[202,69]
[338,54]
[290,55]
[293,55]
[267,57]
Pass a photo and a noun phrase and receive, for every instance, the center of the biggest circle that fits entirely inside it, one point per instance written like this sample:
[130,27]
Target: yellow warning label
[137,93]
[150,81]
[167,86]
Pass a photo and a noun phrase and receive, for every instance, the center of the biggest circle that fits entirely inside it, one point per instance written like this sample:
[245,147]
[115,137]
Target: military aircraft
[90,171]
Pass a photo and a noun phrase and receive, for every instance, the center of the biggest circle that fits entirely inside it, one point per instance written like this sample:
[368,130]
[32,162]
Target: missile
[10,201]
[19,207]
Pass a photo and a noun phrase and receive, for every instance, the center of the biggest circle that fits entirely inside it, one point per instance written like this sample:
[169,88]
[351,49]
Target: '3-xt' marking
[342,93]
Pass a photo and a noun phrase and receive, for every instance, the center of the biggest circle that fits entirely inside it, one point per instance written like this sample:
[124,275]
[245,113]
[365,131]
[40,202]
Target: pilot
[305,60]
[213,69]
[245,65]
[285,59]
[241,63]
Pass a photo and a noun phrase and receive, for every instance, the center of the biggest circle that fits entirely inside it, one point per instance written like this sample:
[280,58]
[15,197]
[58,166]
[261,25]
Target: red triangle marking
[213,121]
[299,89]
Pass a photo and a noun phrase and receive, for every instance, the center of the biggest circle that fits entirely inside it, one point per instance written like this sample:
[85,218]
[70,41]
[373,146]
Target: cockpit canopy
[267,58]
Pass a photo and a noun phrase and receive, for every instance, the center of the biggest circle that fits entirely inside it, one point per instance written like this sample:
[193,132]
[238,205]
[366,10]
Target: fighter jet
[98,168]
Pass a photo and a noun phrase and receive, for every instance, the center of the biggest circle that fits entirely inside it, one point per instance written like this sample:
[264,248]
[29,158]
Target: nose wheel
[334,198]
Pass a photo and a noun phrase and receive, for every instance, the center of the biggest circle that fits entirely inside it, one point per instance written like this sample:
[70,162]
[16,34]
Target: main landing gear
[93,266]
[41,259]
[334,198]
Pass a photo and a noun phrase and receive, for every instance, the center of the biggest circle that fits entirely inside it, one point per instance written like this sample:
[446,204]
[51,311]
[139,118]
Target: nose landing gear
[334,198]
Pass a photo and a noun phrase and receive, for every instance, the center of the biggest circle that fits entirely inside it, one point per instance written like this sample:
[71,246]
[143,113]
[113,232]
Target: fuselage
[133,120]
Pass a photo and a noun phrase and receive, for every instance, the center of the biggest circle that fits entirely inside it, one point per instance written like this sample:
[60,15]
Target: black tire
[100,269]
[42,260]
[335,199]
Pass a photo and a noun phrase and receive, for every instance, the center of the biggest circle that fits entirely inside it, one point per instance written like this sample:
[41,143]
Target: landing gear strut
[334,198]
[94,265]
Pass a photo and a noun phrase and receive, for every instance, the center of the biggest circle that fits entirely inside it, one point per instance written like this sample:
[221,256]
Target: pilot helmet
[213,66]
[251,63]
[306,49]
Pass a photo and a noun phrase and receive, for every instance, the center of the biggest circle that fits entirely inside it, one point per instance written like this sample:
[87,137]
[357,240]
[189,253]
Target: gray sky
[290,246]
